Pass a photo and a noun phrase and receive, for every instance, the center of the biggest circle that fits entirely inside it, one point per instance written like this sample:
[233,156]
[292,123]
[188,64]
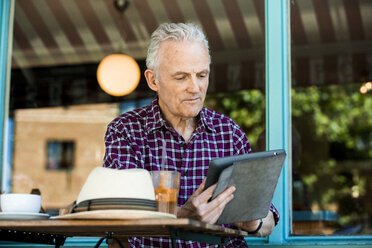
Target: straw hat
[116,194]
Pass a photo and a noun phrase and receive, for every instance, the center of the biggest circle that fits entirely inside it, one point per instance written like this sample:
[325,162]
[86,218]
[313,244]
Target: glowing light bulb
[118,74]
[368,85]
[363,89]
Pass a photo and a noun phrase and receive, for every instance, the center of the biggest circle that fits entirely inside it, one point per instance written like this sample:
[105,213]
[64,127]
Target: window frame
[6,11]
[278,125]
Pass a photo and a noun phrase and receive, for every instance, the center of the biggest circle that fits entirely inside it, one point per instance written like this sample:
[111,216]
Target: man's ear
[151,80]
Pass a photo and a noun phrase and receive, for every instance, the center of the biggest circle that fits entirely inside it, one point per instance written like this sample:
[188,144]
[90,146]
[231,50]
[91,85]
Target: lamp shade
[118,74]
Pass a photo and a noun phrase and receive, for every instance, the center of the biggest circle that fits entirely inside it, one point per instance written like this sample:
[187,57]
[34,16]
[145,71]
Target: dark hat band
[114,203]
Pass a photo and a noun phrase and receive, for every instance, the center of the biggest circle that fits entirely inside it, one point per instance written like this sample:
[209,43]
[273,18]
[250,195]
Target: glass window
[58,114]
[331,117]
[60,155]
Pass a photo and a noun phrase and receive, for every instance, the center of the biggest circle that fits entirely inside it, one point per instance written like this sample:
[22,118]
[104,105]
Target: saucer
[23,216]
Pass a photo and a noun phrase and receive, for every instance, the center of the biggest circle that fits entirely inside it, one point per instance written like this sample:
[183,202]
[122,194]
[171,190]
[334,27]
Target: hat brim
[115,214]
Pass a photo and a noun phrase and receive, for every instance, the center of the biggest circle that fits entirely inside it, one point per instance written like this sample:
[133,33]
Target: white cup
[26,203]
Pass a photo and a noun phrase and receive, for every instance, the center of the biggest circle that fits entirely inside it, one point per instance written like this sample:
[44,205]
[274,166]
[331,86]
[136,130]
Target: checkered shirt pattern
[135,140]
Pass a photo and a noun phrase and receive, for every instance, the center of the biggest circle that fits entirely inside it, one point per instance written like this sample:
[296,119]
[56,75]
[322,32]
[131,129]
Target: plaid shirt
[135,140]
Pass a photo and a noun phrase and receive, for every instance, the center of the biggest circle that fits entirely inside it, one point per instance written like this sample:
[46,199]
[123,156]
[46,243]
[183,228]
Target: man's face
[182,78]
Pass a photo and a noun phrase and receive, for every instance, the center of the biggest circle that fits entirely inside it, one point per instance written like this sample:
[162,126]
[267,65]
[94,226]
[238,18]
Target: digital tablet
[255,176]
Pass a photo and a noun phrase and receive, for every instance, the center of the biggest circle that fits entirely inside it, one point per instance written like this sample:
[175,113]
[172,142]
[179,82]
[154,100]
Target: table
[55,232]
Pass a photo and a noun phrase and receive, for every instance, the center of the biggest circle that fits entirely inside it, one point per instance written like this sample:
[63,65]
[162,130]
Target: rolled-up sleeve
[276,214]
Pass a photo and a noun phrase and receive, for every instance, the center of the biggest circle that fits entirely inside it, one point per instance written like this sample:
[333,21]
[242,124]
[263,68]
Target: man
[178,63]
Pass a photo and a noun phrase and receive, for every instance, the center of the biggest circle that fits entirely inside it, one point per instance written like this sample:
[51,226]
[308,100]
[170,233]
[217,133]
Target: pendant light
[118,74]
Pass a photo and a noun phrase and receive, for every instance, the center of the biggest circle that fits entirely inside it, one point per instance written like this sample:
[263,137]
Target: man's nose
[193,85]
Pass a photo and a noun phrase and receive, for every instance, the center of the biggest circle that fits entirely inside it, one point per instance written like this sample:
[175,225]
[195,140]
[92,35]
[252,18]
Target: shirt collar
[154,118]
[206,120]
[156,121]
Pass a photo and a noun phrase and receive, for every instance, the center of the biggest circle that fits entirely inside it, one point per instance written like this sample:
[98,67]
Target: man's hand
[197,206]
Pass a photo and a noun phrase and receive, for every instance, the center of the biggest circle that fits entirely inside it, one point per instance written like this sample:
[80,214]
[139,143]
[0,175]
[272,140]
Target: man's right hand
[199,207]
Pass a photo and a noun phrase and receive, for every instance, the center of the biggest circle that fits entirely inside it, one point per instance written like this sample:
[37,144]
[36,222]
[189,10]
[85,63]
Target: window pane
[60,155]
[331,117]
[60,113]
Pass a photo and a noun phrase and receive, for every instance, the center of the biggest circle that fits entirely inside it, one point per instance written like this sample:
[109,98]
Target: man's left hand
[199,207]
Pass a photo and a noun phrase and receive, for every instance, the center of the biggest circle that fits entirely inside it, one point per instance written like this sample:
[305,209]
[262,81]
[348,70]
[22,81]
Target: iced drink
[166,184]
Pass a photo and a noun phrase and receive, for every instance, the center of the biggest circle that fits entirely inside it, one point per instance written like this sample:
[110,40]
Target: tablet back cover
[255,181]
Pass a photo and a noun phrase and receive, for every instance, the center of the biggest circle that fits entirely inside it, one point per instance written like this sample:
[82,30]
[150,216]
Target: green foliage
[342,114]
[246,108]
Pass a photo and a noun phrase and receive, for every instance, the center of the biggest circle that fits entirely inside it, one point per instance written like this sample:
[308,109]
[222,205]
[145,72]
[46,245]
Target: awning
[331,40]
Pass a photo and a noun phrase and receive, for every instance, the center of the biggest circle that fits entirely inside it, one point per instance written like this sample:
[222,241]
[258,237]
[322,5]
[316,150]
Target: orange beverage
[166,184]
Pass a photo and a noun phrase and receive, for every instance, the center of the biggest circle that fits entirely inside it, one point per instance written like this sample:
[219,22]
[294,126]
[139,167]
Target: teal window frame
[278,124]
[4,68]
[278,130]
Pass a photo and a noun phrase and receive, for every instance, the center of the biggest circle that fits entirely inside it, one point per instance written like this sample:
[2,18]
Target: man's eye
[202,75]
[180,78]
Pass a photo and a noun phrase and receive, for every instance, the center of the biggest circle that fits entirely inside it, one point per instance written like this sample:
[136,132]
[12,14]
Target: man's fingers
[204,196]
[221,198]
[203,210]
[210,190]
[217,208]
[210,211]
[227,195]
[227,192]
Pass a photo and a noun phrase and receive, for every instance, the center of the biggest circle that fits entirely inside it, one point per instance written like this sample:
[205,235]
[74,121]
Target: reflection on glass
[331,117]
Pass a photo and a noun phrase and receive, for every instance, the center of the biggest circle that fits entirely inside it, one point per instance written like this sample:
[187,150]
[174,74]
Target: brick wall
[85,125]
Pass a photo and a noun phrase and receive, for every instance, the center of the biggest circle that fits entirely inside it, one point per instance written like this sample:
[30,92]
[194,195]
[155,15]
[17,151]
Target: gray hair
[172,31]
